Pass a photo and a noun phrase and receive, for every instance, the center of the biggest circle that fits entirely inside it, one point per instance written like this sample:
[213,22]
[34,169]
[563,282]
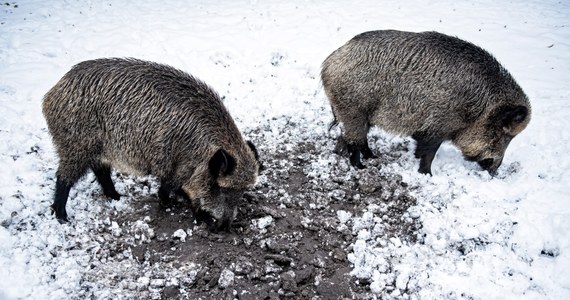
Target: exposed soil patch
[286,243]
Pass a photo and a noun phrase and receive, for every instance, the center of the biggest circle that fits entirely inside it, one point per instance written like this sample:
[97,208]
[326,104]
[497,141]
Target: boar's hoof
[355,160]
[354,152]
[367,153]
[358,165]
[60,216]
[425,170]
[113,195]
[63,221]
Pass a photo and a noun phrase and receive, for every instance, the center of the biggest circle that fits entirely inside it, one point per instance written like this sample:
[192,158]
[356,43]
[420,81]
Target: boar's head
[228,176]
[488,138]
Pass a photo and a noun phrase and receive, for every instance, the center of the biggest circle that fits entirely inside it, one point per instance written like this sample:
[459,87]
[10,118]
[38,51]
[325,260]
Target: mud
[286,243]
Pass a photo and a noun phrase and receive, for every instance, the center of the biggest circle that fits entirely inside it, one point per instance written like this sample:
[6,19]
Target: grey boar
[148,118]
[430,86]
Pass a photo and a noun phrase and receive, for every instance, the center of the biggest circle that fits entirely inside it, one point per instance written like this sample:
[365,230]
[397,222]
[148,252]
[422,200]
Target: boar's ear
[222,163]
[256,154]
[512,117]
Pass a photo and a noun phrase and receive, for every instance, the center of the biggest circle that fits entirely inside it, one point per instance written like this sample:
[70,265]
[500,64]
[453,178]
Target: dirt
[286,243]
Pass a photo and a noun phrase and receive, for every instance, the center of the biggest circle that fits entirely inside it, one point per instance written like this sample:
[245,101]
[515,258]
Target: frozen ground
[312,227]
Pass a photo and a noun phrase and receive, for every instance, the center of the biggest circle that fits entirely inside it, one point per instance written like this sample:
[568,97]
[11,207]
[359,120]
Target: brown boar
[429,86]
[147,118]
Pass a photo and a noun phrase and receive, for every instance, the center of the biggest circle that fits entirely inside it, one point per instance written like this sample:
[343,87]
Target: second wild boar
[430,86]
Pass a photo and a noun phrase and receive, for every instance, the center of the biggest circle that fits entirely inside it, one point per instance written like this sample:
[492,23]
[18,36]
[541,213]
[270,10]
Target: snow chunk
[158,282]
[343,216]
[414,212]
[143,281]
[226,278]
[180,234]
[115,229]
[363,234]
[263,222]
[402,280]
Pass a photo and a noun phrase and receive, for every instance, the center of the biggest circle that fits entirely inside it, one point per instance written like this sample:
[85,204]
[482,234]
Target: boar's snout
[224,222]
[220,219]
[220,212]
[490,165]
[486,163]
[217,204]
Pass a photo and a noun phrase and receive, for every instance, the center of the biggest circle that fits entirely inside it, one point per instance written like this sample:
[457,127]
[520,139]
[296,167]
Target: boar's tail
[333,123]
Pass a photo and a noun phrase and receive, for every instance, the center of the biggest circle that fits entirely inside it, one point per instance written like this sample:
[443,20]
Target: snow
[486,238]
[226,278]
[263,222]
[180,234]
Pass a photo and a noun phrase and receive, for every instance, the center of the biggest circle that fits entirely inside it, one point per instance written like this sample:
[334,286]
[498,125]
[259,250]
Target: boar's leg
[60,200]
[341,148]
[366,152]
[166,186]
[68,172]
[103,174]
[356,135]
[425,150]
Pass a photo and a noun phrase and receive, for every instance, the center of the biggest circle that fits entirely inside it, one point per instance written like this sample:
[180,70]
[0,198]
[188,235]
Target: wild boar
[148,118]
[430,86]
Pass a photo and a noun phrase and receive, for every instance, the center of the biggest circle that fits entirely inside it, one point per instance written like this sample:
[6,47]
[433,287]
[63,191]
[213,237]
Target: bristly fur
[427,85]
[146,118]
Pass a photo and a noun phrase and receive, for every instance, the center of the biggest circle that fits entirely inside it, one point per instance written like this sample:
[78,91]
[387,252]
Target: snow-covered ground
[486,238]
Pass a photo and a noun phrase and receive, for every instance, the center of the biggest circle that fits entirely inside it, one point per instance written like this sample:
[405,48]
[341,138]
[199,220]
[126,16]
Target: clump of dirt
[286,243]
